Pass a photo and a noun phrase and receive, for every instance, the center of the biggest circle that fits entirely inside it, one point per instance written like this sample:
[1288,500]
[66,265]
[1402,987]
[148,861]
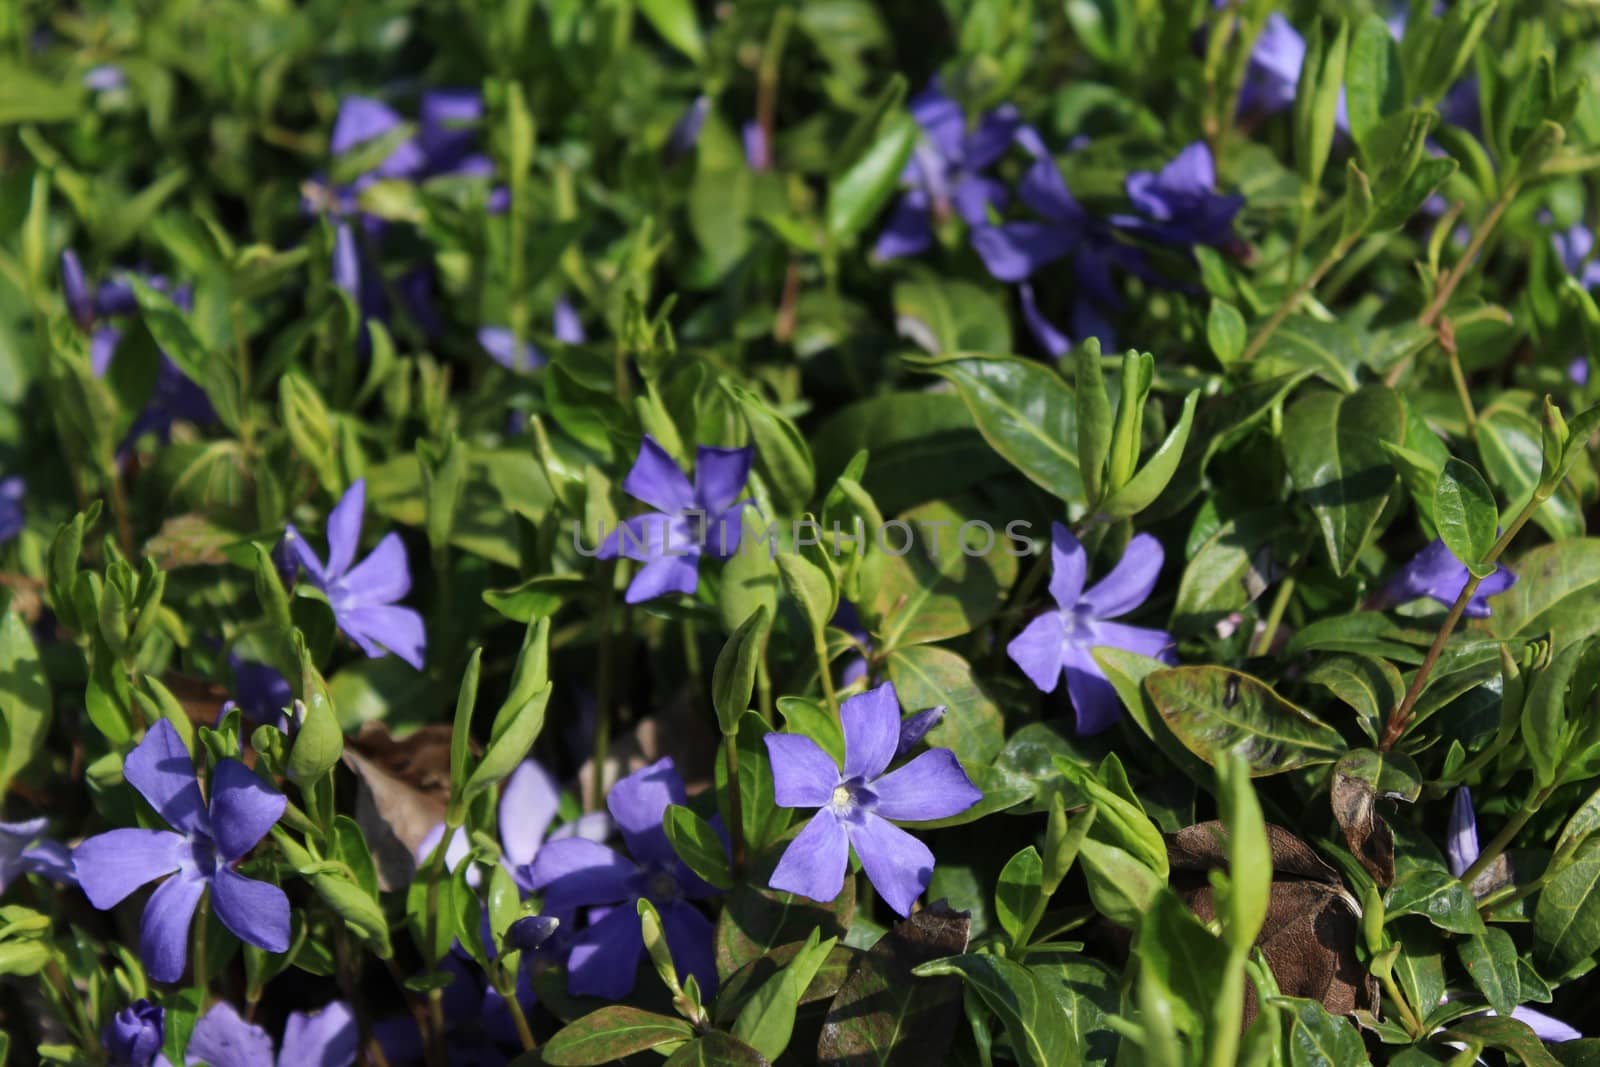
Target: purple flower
[1015,251]
[1436,573]
[133,1036]
[1273,76]
[326,1039]
[1059,641]
[855,806]
[528,804]
[23,850]
[263,693]
[848,619]
[12,490]
[1574,245]
[364,596]
[1179,202]
[945,172]
[209,842]
[503,348]
[105,78]
[1461,834]
[575,872]
[685,133]
[757,151]
[689,521]
[531,932]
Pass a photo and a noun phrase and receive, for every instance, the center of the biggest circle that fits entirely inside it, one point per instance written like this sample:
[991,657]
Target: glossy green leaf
[1213,710]
[1338,465]
[1566,921]
[26,709]
[609,1034]
[698,845]
[868,183]
[1465,514]
[1033,1017]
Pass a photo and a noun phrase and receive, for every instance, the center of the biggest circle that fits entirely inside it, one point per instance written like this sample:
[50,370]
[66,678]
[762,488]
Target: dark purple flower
[855,805]
[362,120]
[945,172]
[689,520]
[12,490]
[685,133]
[134,1035]
[848,619]
[531,932]
[363,596]
[1436,573]
[327,1038]
[262,692]
[448,130]
[24,850]
[1015,251]
[208,844]
[1060,640]
[914,727]
[1274,72]
[575,872]
[1179,202]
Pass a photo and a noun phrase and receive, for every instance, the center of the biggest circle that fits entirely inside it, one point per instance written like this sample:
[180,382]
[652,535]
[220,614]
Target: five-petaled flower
[208,843]
[327,1038]
[855,805]
[23,850]
[689,521]
[574,872]
[363,596]
[1435,572]
[945,172]
[1461,852]
[1060,640]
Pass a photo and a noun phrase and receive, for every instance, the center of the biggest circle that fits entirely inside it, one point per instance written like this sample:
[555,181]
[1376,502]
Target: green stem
[1340,249]
[1508,833]
[1447,342]
[764,686]
[1407,1014]
[437,1051]
[1430,314]
[691,665]
[819,641]
[518,1017]
[730,748]
[202,979]
[604,685]
[1229,1011]
[1280,602]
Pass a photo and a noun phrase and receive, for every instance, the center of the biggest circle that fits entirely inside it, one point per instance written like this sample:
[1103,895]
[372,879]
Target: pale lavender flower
[855,805]
[1436,573]
[690,521]
[364,596]
[757,151]
[133,1036]
[208,843]
[104,78]
[574,872]
[24,850]
[1060,640]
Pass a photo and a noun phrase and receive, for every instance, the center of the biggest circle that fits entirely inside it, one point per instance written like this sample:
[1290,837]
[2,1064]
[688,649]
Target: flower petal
[659,577]
[256,912]
[382,578]
[719,476]
[1044,190]
[159,767]
[871,723]
[297,544]
[222,1039]
[386,627]
[1130,581]
[528,805]
[243,808]
[1038,650]
[1461,833]
[604,961]
[111,865]
[803,776]
[1015,250]
[1157,644]
[1068,566]
[574,872]
[164,928]
[1548,1028]
[1093,700]
[689,935]
[638,803]
[932,786]
[898,865]
[1044,331]
[502,346]
[814,863]
[344,528]
[360,119]
[909,229]
[657,480]
[568,324]
[327,1038]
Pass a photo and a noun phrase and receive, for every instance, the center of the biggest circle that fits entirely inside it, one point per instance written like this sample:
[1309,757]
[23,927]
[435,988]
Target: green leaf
[1318,1038]
[1491,959]
[1187,961]
[734,677]
[1374,80]
[698,845]
[1119,820]
[867,184]
[764,820]
[1018,892]
[1544,714]
[1033,1017]
[1026,413]
[1094,416]
[1148,483]
[1511,447]
[1087,992]
[28,97]
[216,375]
[1127,430]
[319,741]
[25,705]
[1316,103]
[1225,332]
[675,21]
[944,316]
[973,726]
[716,1049]
[949,581]
[1432,893]
[1249,857]
[766,1022]
[750,580]
[1369,685]
[539,597]
[783,458]
[1338,465]
[1120,886]
[1214,710]
[811,587]
[1566,921]
[754,921]
[1126,671]
[1465,514]
[1557,593]
[612,1033]
[1512,1035]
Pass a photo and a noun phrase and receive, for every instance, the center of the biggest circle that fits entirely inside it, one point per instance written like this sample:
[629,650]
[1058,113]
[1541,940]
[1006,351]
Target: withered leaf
[675,732]
[884,1014]
[1355,809]
[405,786]
[1312,926]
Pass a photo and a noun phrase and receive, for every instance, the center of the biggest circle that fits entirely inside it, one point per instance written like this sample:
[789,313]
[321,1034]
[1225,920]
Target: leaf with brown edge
[405,786]
[883,1014]
[1312,926]
[611,1033]
[1360,778]
[1510,1035]
[755,921]
[1214,710]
